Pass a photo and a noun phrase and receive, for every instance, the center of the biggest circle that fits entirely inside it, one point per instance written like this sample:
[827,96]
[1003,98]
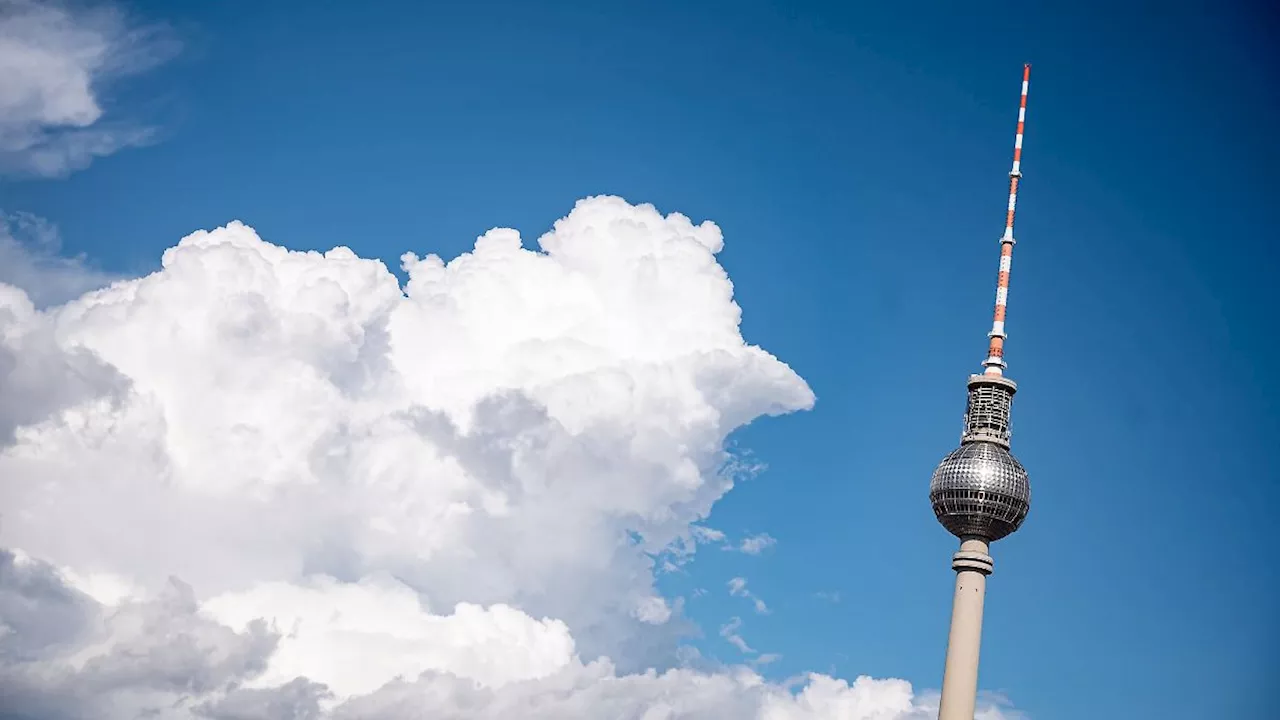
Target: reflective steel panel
[980,490]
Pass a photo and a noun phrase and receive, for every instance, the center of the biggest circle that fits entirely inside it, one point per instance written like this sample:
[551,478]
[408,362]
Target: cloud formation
[260,483]
[738,588]
[30,260]
[729,631]
[757,544]
[55,59]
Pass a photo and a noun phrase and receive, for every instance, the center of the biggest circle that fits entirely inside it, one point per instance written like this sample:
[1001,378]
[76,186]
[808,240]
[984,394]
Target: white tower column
[960,676]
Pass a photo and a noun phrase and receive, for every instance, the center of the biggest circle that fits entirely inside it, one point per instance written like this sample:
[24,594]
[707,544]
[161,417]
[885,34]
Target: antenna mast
[994,364]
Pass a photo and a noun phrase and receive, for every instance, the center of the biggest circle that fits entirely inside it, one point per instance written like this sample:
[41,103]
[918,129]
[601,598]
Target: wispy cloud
[729,631]
[757,544]
[738,588]
[55,59]
[766,658]
[705,534]
[30,259]
[831,597]
[750,545]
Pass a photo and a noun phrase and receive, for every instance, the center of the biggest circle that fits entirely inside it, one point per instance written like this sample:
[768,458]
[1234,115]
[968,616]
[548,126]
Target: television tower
[980,492]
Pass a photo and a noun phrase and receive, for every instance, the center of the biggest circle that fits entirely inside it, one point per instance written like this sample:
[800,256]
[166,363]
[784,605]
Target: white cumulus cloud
[260,483]
[55,58]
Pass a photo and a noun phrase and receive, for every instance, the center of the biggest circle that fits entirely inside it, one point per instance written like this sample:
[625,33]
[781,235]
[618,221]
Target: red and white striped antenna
[994,363]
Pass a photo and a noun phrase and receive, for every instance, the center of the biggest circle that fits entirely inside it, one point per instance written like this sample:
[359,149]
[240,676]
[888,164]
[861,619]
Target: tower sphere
[980,490]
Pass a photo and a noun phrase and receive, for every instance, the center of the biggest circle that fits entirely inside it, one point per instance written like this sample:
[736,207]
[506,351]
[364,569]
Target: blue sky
[855,155]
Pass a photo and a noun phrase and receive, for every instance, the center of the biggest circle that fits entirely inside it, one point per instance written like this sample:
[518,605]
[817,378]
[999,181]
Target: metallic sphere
[980,490]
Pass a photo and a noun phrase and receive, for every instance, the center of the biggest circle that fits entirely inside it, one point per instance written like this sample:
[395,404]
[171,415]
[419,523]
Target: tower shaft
[960,676]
